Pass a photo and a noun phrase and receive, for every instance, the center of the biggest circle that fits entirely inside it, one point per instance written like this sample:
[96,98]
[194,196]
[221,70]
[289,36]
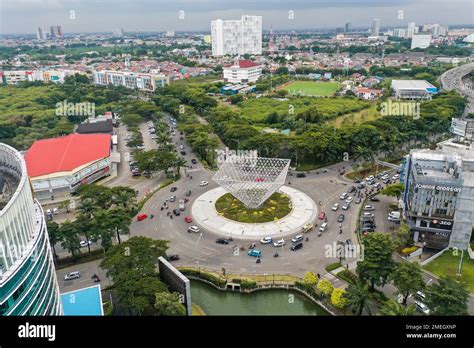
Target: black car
[387,181]
[222,241]
[374,199]
[182,152]
[340,218]
[357,181]
[296,246]
[301,175]
[352,189]
[173,188]
[176,212]
[173,257]
[188,193]
[193,161]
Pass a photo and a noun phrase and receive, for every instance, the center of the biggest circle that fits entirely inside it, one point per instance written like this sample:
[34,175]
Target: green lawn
[447,264]
[274,208]
[355,118]
[310,88]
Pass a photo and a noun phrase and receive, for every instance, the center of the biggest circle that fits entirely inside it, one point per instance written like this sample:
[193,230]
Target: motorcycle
[258,260]
[276,255]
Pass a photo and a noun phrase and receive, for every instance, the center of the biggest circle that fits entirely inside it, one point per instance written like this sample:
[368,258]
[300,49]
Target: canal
[265,302]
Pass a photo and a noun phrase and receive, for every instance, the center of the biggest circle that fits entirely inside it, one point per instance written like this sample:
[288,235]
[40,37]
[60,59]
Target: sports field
[310,88]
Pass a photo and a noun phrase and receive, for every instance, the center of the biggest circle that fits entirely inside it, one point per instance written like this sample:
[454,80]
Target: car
[141,217]
[370,178]
[136,172]
[173,188]
[72,275]
[349,199]
[346,206]
[377,185]
[297,238]
[194,229]
[322,215]
[343,196]
[254,253]
[387,181]
[323,227]
[369,208]
[55,211]
[358,200]
[84,243]
[352,189]
[266,240]
[340,218]
[356,181]
[188,219]
[335,206]
[172,198]
[279,243]
[182,152]
[421,307]
[181,147]
[308,227]
[176,212]
[173,257]
[296,246]
[374,199]
[360,186]
[395,177]
[368,215]
[300,175]
[193,161]
[181,205]
[421,295]
[367,229]
[188,193]
[222,241]
[203,183]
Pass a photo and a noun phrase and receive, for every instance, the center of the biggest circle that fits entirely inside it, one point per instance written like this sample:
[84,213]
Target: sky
[24,16]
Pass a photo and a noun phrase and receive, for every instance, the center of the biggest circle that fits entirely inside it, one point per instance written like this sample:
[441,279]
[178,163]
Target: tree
[394,190]
[404,235]
[391,307]
[325,286]
[377,264]
[65,205]
[310,278]
[54,236]
[70,238]
[357,297]
[447,297]
[338,298]
[169,304]
[407,278]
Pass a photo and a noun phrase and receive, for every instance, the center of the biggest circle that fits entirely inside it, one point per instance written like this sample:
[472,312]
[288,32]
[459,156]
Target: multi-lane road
[454,79]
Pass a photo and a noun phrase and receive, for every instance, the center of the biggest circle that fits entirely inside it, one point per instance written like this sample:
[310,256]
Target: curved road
[453,80]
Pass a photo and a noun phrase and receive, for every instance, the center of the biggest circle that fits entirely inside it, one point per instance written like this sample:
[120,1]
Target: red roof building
[66,154]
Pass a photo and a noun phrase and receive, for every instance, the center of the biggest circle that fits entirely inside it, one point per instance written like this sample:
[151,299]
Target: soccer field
[310,88]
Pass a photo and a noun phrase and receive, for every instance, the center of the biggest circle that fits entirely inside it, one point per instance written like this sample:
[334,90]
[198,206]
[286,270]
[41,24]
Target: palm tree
[392,307]
[178,164]
[70,238]
[357,296]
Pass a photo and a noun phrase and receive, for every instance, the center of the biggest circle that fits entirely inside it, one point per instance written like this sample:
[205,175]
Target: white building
[242,36]
[376,27]
[411,30]
[420,41]
[413,89]
[243,71]
[145,82]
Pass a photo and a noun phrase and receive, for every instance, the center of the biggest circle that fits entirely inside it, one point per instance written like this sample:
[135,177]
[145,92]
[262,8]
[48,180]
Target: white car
[193,228]
[395,177]
[368,208]
[266,240]
[297,238]
[279,243]
[83,243]
[368,215]
[335,206]
[349,199]
[421,307]
[370,178]
[343,196]
[323,227]
[72,275]
[203,183]
[346,206]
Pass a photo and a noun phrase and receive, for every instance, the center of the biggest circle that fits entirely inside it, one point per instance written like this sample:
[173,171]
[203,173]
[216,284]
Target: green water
[265,302]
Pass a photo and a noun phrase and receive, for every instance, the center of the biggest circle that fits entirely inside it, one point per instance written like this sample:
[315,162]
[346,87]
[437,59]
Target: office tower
[242,36]
[56,31]
[347,27]
[28,284]
[376,27]
[410,30]
[118,32]
[40,34]
[59,31]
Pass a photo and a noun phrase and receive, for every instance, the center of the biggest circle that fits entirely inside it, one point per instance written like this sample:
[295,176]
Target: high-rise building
[399,32]
[376,27]
[56,31]
[242,36]
[28,283]
[40,34]
[347,27]
[118,32]
[410,30]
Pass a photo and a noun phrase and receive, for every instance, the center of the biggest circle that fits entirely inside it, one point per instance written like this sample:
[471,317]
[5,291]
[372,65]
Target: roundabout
[303,211]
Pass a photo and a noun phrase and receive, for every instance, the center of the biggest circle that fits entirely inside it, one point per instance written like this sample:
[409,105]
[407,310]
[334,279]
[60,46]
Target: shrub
[220,282]
[310,278]
[333,266]
[348,276]
[409,250]
[248,284]
[338,298]
[309,289]
[325,286]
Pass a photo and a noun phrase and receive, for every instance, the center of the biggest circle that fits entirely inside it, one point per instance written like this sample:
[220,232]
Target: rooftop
[411,84]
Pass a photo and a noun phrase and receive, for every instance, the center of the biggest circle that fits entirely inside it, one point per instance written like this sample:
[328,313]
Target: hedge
[348,276]
[333,266]
[220,282]
[309,289]
[248,284]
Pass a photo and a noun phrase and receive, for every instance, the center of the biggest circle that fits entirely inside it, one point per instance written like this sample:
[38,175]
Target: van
[323,227]
[296,246]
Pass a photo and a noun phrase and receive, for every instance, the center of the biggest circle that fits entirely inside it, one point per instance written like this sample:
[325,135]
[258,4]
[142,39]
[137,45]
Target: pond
[265,302]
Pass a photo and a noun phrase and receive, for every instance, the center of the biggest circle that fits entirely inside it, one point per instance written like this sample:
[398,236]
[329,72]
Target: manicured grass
[310,88]
[274,208]
[447,265]
[333,266]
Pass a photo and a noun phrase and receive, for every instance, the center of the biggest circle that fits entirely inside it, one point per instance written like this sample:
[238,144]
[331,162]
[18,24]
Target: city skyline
[182,15]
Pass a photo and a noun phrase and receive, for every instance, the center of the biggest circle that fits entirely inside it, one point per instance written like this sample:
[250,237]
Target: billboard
[458,127]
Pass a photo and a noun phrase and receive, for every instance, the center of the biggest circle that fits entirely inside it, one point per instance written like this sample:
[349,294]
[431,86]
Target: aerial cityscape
[178,158]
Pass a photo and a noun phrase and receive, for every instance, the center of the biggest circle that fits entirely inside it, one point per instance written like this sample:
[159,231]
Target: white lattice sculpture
[252,180]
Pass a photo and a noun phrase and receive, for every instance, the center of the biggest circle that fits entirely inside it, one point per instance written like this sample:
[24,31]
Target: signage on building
[438,187]
[458,127]
[441,222]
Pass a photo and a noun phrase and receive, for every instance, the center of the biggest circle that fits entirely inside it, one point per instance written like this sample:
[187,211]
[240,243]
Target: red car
[188,219]
[322,215]
[141,217]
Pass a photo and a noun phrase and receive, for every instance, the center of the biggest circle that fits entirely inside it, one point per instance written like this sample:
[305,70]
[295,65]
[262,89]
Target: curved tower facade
[28,283]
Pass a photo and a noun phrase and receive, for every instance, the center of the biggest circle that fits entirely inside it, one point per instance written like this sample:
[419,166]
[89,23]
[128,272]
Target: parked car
[358,200]
[352,189]
[346,206]
[188,219]
[182,152]
[322,215]
[377,185]
[297,238]
[173,188]
[296,246]
[343,196]
[335,206]
[374,199]
[369,215]
[193,161]
[72,275]
[395,177]
[173,257]
[340,218]
[222,241]
[141,217]
[300,175]
[203,183]
[369,208]
[349,199]
[421,307]
[254,253]
[194,229]
[279,243]
[266,240]
[84,243]
[360,186]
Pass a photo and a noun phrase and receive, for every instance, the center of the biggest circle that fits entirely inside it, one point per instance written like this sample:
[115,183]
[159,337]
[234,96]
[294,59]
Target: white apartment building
[242,36]
[145,82]
[420,41]
[243,71]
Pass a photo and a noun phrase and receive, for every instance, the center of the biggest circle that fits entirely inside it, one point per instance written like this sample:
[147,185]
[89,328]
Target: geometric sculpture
[252,180]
